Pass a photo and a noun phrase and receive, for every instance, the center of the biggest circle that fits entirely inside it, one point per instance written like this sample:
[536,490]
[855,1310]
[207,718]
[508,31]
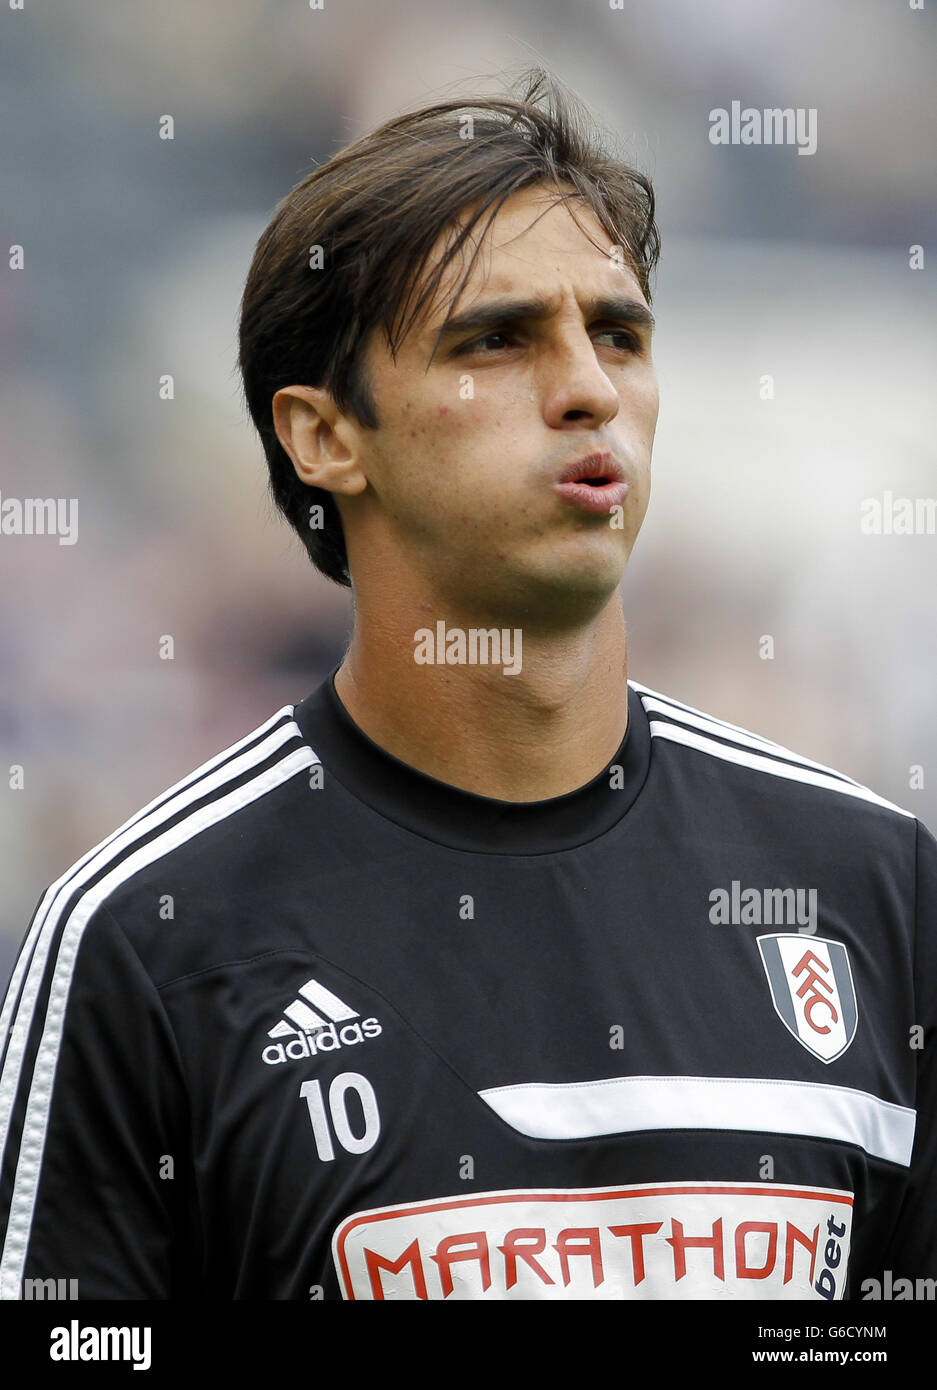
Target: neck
[539,733]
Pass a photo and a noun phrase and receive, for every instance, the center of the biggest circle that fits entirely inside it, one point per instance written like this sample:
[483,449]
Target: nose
[574,388]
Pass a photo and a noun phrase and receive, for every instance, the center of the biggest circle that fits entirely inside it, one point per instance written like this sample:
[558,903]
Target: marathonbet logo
[316,1021]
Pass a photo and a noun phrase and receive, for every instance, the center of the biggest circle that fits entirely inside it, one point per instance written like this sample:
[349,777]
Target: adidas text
[326,1039]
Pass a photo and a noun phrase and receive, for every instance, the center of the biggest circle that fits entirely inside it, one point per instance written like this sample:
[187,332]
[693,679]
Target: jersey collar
[461,819]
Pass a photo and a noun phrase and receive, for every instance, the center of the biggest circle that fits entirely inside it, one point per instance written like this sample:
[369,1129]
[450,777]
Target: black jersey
[314,1024]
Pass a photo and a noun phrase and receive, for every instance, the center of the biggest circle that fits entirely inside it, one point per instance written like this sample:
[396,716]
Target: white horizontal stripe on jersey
[712,726]
[678,734]
[631,1104]
[40,1094]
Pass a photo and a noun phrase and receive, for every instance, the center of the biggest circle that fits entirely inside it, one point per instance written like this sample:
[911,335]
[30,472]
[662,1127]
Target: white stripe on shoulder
[678,734]
[46,922]
[160,800]
[679,705]
[73,875]
[747,740]
[689,714]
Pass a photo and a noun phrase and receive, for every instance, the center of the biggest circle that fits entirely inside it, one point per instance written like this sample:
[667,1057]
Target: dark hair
[376,209]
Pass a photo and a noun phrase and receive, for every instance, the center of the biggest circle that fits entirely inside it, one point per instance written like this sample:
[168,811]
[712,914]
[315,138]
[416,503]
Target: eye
[631,343]
[499,339]
[477,344]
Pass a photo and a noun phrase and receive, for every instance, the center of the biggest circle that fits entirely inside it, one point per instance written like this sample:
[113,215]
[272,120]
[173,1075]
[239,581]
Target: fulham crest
[812,990]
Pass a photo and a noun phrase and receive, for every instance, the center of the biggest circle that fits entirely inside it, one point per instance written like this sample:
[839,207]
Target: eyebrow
[505,313]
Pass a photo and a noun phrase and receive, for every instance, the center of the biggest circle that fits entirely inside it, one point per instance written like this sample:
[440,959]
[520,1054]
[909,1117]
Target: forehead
[536,244]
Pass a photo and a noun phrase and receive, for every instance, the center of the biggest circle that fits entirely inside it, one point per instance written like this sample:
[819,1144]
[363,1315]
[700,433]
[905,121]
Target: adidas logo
[317,1022]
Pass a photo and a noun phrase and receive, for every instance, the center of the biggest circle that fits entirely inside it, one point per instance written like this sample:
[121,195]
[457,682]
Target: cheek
[645,409]
[417,470]
[652,418]
[443,456]
[646,385]
[653,396]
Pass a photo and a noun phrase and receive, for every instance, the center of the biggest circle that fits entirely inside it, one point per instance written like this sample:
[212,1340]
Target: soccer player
[483,972]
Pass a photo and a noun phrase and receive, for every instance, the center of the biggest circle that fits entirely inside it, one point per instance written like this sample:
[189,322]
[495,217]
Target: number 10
[347,1081]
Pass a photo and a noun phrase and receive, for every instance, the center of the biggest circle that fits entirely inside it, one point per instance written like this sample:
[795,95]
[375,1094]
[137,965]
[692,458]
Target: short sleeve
[96,1184]
[912,1249]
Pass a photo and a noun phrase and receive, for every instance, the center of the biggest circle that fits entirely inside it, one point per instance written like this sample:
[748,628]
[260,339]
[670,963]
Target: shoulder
[728,753]
[180,854]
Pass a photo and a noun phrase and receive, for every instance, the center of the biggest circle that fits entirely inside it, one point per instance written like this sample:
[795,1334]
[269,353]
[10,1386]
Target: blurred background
[780,272]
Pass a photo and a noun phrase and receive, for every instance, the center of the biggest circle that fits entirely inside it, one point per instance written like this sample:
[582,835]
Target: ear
[321,441]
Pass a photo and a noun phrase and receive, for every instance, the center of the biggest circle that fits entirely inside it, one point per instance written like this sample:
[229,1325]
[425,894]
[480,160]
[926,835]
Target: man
[481,972]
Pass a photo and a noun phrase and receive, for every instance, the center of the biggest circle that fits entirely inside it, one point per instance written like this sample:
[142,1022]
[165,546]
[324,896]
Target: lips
[595,470]
[594,483]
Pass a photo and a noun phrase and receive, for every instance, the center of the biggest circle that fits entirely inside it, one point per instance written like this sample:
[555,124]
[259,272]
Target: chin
[574,591]
[587,567]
